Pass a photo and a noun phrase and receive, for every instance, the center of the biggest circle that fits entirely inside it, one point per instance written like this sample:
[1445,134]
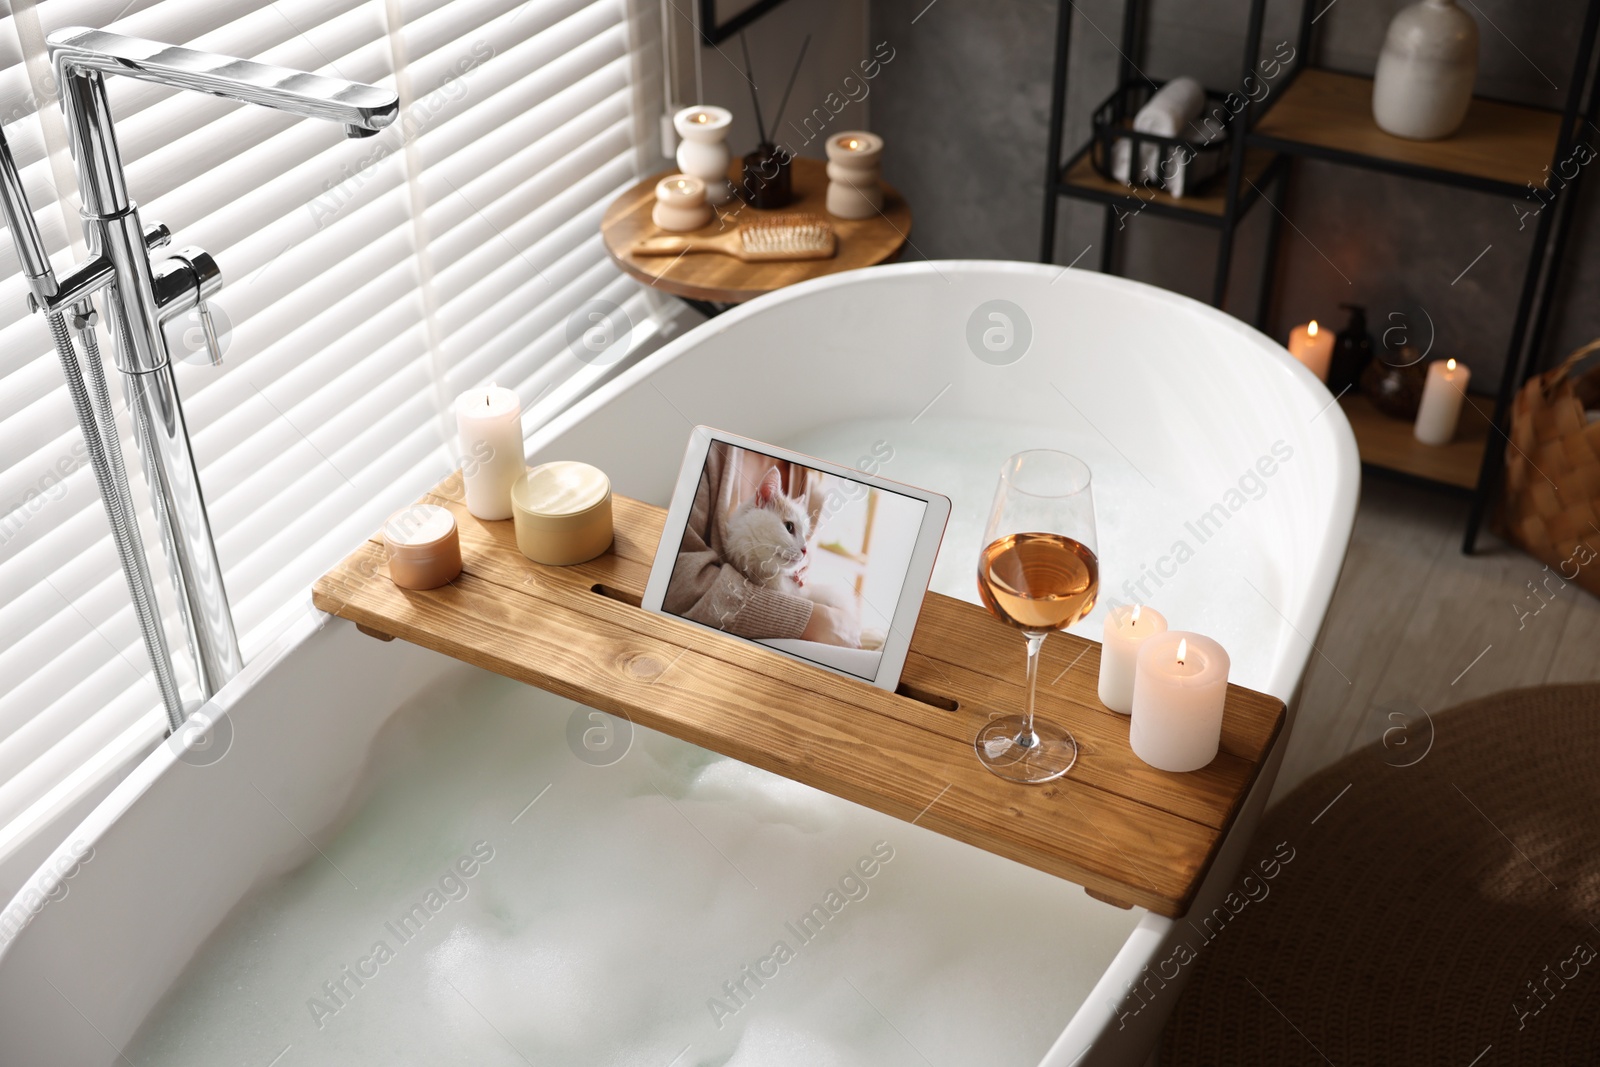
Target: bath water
[496,900]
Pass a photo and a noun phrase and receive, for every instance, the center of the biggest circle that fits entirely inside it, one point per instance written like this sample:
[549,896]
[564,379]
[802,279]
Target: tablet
[824,563]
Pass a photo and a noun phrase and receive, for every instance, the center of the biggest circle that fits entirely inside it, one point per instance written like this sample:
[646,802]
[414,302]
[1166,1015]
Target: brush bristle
[783,234]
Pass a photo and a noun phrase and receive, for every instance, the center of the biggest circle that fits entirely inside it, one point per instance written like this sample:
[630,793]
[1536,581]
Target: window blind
[367,282]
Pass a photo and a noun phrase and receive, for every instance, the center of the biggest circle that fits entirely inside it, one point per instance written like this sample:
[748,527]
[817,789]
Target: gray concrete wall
[965,106]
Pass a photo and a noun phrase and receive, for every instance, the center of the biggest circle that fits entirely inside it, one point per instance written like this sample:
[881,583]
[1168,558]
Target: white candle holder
[1179,690]
[680,203]
[854,188]
[703,152]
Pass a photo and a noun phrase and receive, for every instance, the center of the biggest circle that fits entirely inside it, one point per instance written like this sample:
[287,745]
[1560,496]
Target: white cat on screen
[822,562]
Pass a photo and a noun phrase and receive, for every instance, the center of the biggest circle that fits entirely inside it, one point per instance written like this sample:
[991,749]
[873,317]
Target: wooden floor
[1416,628]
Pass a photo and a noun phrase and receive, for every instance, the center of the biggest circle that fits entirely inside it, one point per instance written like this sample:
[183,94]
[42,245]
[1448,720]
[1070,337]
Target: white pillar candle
[1442,395]
[489,421]
[854,191]
[680,203]
[1313,346]
[1179,689]
[703,151]
[1125,631]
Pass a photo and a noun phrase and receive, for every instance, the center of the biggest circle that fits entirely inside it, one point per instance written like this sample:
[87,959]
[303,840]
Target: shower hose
[97,421]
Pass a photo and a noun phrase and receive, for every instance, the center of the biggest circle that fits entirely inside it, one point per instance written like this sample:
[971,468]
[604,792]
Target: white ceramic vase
[1423,85]
[703,150]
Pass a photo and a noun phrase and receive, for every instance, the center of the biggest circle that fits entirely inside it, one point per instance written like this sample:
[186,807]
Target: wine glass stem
[1027,738]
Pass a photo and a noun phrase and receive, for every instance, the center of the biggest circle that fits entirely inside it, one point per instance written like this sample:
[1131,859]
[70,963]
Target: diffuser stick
[755,99]
[793,74]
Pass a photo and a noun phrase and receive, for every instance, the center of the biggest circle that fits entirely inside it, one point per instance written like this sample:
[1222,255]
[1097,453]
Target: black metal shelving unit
[1243,183]
[1324,114]
[1316,113]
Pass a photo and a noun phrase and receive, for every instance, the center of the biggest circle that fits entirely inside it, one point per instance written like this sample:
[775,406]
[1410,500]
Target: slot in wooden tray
[1126,832]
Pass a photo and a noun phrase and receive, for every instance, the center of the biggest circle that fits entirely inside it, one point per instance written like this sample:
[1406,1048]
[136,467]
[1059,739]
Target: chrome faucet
[139,296]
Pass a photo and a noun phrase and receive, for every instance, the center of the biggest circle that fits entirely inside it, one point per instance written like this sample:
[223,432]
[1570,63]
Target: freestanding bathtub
[1225,483]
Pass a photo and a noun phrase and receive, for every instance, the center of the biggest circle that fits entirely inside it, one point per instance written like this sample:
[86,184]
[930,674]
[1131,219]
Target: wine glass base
[1052,753]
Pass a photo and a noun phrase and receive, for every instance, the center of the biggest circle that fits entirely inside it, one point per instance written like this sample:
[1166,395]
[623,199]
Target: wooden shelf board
[1389,443]
[1213,202]
[1126,832]
[1499,142]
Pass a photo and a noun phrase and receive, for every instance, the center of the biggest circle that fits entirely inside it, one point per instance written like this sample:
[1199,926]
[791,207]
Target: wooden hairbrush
[769,240]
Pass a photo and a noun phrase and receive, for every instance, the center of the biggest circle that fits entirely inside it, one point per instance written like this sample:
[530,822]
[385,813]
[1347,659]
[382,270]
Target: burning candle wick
[1311,330]
[1135,619]
[1183,649]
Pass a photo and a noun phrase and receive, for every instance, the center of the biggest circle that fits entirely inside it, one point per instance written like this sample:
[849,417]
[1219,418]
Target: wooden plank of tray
[1123,830]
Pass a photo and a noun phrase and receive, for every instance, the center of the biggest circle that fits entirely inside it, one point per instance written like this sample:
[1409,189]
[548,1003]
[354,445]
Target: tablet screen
[805,561]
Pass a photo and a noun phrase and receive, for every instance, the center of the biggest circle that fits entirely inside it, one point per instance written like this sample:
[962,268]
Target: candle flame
[682,185]
[1311,331]
[1135,619]
[1183,649]
[700,116]
[1450,364]
[852,144]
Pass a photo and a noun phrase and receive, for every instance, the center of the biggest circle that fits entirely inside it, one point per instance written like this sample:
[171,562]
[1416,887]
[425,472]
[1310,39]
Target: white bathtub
[1182,412]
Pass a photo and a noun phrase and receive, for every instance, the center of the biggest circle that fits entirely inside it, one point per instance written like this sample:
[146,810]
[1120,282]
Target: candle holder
[680,203]
[854,190]
[767,183]
[703,152]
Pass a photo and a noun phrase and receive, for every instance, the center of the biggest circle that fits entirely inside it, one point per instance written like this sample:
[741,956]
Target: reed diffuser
[767,183]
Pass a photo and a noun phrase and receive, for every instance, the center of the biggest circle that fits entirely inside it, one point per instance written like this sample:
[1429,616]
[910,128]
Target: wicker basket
[1551,505]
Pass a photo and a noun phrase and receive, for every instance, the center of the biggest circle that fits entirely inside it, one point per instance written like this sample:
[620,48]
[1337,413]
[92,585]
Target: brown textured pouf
[1445,909]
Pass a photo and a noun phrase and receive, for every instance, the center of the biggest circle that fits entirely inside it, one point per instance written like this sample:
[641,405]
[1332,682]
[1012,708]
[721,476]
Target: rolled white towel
[1121,150]
[1173,107]
[1167,114]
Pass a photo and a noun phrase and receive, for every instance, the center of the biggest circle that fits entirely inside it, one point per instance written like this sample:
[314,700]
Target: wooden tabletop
[1128,833]
[710,276]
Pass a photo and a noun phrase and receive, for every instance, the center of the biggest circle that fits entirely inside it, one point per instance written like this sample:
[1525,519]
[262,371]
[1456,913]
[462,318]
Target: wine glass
[1038,573]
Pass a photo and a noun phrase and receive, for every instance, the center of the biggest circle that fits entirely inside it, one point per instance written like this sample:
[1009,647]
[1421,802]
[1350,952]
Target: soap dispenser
[1352,351]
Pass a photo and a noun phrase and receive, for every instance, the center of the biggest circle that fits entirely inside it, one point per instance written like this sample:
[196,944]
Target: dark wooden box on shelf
[1127,833]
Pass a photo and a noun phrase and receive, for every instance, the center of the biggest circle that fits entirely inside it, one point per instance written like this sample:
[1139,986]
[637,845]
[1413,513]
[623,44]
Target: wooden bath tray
[1126,832]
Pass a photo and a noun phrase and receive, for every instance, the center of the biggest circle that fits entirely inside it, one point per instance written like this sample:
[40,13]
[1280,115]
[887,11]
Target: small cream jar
[423,547]
[562,512]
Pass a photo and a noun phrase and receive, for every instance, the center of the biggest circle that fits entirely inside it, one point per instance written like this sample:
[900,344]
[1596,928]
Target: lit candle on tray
[1442,395]
[680,203]
[1179,689]
[1125,631]
[489,422]
[1313,346]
